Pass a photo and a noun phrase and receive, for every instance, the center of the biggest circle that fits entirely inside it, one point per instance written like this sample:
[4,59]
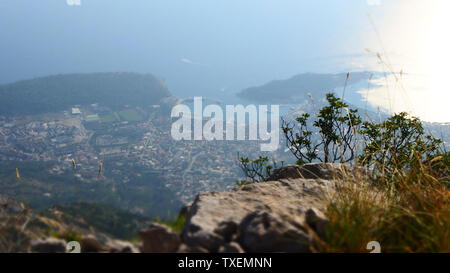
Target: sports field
[108,118]
[130,115]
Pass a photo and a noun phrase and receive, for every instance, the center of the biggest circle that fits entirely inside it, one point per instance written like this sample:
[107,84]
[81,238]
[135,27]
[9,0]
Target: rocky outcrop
[25,230]
[328,171]
[97,244]
[159,239]
[274,216]
[119,246]
[91,244]
[88,244]
[48,245]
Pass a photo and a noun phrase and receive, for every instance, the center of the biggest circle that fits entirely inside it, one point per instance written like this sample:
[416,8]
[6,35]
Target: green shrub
[336,125]
[396,145]
[257,170]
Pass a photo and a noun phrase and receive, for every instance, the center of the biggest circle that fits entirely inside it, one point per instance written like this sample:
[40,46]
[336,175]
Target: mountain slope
[296,89]
[40,189]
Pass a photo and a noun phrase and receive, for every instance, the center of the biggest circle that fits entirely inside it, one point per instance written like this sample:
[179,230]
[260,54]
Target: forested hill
[296,89]
[59,92]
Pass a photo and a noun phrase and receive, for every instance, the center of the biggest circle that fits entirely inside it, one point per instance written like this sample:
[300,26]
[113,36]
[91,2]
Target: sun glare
[416,41]
[437,62]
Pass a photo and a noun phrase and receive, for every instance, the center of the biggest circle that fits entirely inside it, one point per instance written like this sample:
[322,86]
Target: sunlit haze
[413,42]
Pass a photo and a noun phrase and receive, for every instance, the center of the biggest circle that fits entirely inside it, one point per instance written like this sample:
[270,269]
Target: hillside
[60,92]
[98,227]
[103,218]
[40,189]
[296,89]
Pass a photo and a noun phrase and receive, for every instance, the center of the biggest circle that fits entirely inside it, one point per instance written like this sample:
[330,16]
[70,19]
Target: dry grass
[13,237]
[414,216]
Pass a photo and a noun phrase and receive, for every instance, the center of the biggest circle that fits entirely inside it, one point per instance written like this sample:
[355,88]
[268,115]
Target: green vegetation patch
[108,118]
[175,223]
[130,115]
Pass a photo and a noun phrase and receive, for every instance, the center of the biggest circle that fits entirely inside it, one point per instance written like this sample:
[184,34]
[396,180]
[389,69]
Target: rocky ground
[281,215]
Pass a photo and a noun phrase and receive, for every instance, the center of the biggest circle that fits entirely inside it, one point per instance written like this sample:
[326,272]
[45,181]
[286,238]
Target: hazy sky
[206,47]
[181,40]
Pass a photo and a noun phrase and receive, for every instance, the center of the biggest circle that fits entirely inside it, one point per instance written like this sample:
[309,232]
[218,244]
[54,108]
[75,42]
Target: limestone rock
[183,248]
[317,223]
[231,247]
[119,246]
[48,245]
[90,243]
[276,215]
[159,239]
[327,171]
[266,232]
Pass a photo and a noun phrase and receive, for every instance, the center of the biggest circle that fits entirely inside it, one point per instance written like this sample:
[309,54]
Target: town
[120,140]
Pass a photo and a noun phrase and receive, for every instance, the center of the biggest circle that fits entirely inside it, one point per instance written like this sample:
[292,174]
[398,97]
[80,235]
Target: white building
[76,111]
